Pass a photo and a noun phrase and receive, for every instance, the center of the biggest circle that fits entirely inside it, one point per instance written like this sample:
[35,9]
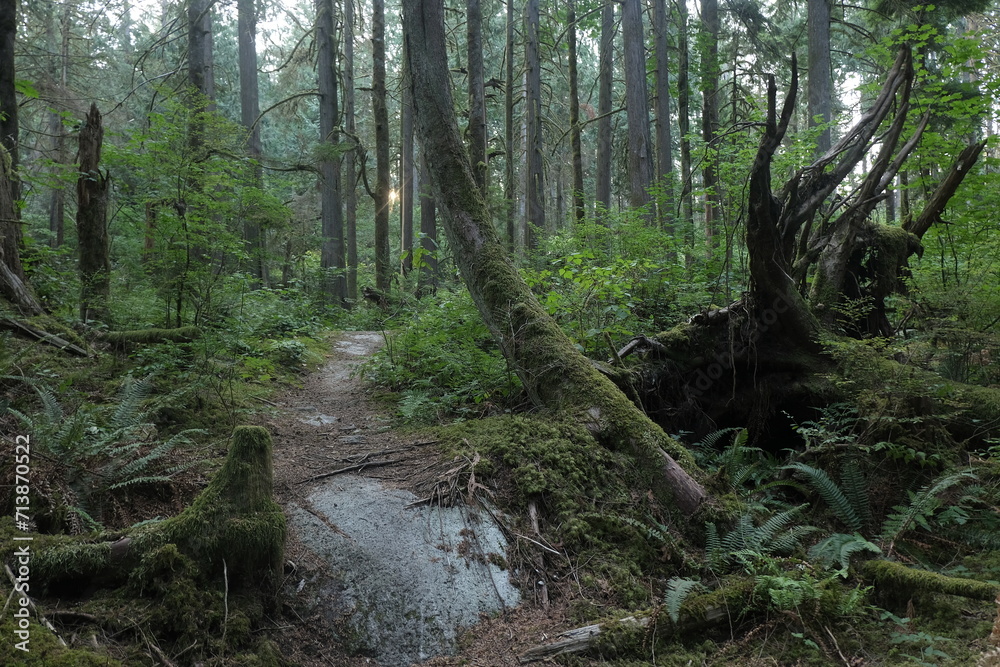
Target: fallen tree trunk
[555,375]
[28,331]
[151,336]
[697,612]
[894,581]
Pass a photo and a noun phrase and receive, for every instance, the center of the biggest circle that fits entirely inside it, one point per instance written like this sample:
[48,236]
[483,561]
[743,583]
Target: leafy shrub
[445,364]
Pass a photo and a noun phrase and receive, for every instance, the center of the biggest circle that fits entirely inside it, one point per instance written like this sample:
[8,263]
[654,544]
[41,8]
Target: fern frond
[713,546]
[129,412]
[789,541]
[921,507]
[831,493]
[51,410]
[149,479]
[710,440]
[92,524]
[855,490]
[839,548]
[763,536]
[678,589]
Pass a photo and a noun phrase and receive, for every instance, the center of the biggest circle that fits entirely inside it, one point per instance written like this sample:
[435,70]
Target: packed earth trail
[385,564]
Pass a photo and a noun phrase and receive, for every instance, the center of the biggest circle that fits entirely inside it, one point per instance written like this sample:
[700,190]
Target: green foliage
[445,363]
[845,509]
[678,589]
[746,541]
[838,549]
[923,509]
[102,449]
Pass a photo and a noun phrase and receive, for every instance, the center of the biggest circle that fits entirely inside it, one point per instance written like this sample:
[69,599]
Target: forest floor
[332,437]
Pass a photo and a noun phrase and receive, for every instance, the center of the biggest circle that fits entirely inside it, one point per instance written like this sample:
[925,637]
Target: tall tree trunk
[428,232]
[477,92]
[664,148]
[92,222]
[554,373]
[249,111]
[710,115]
[684,120]
[59,71]
[820,71]
[13,285]
[201,64]
[331,214]
[510,174]
[406,173]
[604,98]
[640,143]
[350,123]
[383,274]
[10,226]
[576,140]
[534,221]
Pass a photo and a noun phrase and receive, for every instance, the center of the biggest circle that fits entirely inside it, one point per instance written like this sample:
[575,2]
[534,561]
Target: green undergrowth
[591,505]
[443,364]
[782,566]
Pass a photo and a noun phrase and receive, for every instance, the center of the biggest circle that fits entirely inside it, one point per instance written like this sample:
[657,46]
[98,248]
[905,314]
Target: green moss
[153,336]
[44,650]
[898,582]
[592,501]
[234,522]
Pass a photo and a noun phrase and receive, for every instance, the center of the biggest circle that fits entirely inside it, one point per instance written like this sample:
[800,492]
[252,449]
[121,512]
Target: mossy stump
[235,519]
[234,527]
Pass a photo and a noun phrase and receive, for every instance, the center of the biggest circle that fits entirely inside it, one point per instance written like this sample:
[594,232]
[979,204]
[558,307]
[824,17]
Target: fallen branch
[27,331]
[358,467]
[697,611]
[578,640]
[31,603]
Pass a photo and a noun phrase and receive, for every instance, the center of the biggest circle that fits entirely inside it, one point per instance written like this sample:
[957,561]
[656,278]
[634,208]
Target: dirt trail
[373,568]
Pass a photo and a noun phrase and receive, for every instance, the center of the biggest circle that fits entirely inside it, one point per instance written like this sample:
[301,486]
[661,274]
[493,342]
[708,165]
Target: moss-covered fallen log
[896,581]
[152,336]
[27,329]
[697,612]
[234,525]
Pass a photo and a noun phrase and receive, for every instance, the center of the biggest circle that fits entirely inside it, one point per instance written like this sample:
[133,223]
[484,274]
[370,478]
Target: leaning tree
[777,346]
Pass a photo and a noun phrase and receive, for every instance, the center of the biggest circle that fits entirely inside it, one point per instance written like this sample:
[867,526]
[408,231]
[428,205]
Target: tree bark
[351,192]
[332,258]
[640,143]
[249,111]
[477,92]
[510,173]
[710,115]
[534,221]
[555,375]
[684,120]
[820,71]
[92,222]
[383,273]
[604,95]
[664,141]
[10,218]
[576,140]
[406,172]
[201,65]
